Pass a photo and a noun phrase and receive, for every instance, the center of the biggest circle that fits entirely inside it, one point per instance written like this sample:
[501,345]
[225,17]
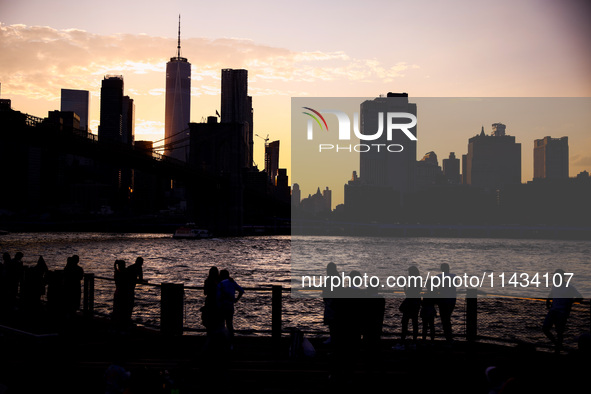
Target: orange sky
[530,48]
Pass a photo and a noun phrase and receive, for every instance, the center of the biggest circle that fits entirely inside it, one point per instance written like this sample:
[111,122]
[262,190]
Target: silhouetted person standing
[34,283]
[428,312]
[120,298]
[14,276]
[373,310]
[209,311]
[328,294]
[4,281]
[133,275]
[226,298]
[73,275]
[559,302]
[411,304]
[446,299]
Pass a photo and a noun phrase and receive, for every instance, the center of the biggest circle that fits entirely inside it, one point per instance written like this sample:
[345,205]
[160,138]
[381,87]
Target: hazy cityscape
[480,187]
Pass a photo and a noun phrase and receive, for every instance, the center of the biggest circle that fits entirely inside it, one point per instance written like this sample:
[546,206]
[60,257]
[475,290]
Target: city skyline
[526,119]
[433,60]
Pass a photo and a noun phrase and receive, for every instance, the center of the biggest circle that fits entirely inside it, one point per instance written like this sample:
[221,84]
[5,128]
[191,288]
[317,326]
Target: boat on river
[191,232]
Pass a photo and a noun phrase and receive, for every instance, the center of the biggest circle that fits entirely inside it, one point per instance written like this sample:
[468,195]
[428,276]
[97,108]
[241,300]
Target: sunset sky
[453,48]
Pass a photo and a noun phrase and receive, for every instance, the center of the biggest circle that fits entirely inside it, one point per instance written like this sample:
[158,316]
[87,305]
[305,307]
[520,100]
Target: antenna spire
[179,42]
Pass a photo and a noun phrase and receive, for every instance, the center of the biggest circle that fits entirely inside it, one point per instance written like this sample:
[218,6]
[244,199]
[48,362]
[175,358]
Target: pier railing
[174,308]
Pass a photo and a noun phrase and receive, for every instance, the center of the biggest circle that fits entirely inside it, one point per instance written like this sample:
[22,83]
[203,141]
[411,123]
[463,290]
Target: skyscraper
[493,161]
[272,160]
[111,120]
[428,172]
[77,101]
[128,121]
[551,158]
[178,105]
[236,106]
[383,168]
[451,169]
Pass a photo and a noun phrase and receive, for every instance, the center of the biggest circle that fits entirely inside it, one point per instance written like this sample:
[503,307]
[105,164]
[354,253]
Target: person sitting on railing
[226,298]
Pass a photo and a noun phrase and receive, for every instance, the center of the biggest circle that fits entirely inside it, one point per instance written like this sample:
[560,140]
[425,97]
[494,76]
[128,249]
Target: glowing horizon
[457,49]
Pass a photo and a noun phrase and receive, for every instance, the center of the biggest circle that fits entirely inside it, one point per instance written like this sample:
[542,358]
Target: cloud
[37,61]
[583,161]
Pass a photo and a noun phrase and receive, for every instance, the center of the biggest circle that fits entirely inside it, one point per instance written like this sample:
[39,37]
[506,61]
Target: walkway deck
[75,360]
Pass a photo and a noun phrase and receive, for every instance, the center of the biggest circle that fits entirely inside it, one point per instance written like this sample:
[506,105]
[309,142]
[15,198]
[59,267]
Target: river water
[259,262]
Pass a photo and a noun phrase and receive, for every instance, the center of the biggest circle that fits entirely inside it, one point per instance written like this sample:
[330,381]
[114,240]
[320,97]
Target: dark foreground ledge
[75,360]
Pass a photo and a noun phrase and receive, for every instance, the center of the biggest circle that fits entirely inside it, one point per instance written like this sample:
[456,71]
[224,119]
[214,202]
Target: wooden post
[172,299]
[276,306]
[88,302]
[471,314]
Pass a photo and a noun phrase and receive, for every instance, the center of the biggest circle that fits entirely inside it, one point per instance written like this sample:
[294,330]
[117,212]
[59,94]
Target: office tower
[464,175]
[551,158]
[428,172]
[327,196]
[272,160]
[493,161]
[128,121]
[236,107]
[64,120]
[111,118]
[77,101]
[318,203]
[178,105]
[383,168]
[451,169]
[296,195]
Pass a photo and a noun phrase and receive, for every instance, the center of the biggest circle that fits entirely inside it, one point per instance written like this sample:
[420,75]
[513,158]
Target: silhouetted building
[282,191]
[296,196]
[218,149]
[464,169]
[383,168]
[236,107]
[65,120]
[493,161]
[451,169]
[148,188]
[317,204]
[368,203]
[327,195]
[548,201]
[111,119]
[117,123]
[77,101]
[272,160]
[386,175]
[128,121]
[551,158]
[428,172]
[177,105]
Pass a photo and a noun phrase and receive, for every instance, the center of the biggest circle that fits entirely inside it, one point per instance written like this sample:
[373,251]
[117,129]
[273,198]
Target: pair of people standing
[444,296]
[126,278]
[220,296]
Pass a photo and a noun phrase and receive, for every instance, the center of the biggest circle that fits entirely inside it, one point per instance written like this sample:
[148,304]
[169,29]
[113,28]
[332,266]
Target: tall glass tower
[178,105]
